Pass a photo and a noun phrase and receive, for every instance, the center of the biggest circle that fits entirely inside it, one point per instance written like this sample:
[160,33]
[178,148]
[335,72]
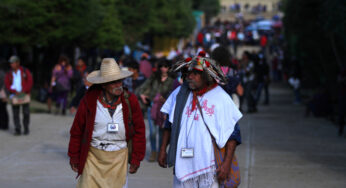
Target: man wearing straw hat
[108,124]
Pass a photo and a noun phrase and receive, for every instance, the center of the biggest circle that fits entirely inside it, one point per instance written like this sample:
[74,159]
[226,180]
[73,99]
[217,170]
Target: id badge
[187,152]
[112,127]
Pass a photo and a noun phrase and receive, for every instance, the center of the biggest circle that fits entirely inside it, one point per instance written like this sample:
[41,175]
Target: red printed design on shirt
[208,110]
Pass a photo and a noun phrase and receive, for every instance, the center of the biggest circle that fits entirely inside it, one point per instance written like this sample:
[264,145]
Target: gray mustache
[118,88]
[191,81]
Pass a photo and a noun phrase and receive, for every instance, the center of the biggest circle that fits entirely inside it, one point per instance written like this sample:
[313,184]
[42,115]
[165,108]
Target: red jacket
[27,81]
[83,126]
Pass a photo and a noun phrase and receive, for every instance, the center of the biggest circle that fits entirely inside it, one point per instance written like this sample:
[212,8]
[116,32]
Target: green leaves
[315,34]
[89,23]
[173,18]
[209,7]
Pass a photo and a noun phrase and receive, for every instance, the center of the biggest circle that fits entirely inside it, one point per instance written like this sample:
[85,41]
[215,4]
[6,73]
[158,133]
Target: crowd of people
[152,81]
[180,95]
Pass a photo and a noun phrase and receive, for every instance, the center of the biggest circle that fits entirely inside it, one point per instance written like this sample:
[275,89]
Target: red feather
[188,59]
[201,53]
[207,63]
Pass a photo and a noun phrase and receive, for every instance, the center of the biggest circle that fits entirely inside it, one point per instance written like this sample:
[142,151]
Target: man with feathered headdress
[198,112]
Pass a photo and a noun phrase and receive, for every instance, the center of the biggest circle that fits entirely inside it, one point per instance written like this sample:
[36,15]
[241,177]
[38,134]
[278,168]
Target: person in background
[145,66]
[78,74]
[3,98]
[81,91]
[262,79]
[294,81]
[19,83]
[263,43]
[60,83]
[248,67]
[223,58]
[156,89]
[133,82]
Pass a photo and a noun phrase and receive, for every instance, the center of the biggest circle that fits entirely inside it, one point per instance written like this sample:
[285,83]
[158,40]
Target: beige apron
[104,169]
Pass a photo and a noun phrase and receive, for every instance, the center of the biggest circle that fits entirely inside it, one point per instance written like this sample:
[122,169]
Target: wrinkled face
[195,80]
[114,88]
[14,65]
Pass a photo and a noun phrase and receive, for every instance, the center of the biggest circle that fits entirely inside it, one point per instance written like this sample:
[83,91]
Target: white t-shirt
[294,82]
[17,81]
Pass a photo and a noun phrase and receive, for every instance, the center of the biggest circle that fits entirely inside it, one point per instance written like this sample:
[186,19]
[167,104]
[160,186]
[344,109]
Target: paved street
[281,148]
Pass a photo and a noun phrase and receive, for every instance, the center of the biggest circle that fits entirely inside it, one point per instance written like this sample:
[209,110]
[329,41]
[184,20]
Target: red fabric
[200,93]
[83,125]
[202,53]
[188,59]
[81,69]
[104,104]
[263,41]
[200,37]
[27,81]
[145,68]
[156,115]
[233,35]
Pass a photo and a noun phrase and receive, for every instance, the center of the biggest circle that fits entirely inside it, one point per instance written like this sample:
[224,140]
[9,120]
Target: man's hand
[162,159]
[75,167]
[144,99]
[223,171]
[73,110]
[133,168]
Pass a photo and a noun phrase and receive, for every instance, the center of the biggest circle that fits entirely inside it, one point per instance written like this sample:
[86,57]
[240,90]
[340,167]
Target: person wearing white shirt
[18,82]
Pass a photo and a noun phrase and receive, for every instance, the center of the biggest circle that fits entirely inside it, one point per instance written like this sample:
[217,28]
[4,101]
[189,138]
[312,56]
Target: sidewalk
[280,148]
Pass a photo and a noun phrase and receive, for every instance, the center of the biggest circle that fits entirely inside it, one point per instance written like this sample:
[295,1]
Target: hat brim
[96,78]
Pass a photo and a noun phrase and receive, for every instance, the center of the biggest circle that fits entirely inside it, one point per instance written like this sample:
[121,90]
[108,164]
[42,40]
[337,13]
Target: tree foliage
[92,23]
[209,7]
[315,34]
[173,18]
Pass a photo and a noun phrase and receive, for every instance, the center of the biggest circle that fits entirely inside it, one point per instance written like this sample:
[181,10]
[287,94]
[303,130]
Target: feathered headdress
[202,63]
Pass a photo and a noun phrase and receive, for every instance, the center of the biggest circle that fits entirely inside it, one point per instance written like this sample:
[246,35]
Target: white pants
[178,184]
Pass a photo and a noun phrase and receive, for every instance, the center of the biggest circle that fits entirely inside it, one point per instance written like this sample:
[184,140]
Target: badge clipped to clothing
[187,152]
[112,127]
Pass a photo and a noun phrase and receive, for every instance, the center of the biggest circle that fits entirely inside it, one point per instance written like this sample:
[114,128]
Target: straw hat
[109,71]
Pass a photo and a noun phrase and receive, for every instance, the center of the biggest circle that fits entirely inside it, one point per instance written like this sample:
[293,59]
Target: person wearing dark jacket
[80,92]
[262,78]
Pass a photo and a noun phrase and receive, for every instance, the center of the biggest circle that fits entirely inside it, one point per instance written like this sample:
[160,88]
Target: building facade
[250,5]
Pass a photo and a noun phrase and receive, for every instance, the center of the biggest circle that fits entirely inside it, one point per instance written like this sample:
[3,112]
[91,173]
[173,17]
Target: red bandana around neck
[104,103]
[200,93]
